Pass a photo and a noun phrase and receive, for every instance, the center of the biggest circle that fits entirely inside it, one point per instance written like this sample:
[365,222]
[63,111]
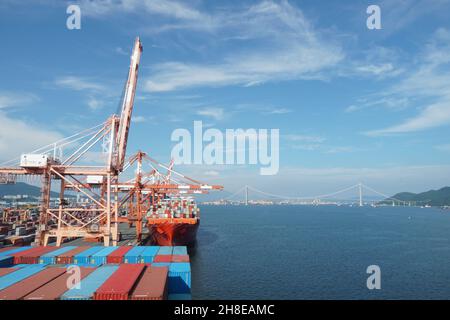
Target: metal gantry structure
[100,217]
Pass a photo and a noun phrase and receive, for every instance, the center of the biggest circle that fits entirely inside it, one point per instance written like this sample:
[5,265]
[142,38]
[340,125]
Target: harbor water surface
[321,252]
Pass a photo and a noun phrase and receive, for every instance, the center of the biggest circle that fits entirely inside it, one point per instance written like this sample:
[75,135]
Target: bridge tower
[360,194]
[246,195]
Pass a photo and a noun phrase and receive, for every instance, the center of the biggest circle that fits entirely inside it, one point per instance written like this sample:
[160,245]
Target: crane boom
[127,106]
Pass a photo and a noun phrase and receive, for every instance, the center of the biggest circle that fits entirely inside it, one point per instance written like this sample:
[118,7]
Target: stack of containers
[118,255]
[84,256]
[100,256]
[50,257]
[55,288]
[67,257]
[5,271]
[11,250]
[179,277]
[19,275]
[152,285]
[21,288]
[134,255]
[31,256]
[149,253]
[6,261]
[90,284]
[119,285]
[180,254]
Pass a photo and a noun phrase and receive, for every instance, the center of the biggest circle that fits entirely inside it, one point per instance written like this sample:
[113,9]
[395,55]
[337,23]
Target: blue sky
[352,104]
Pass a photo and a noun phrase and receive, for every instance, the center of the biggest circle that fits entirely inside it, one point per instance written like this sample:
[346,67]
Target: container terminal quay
[127,228]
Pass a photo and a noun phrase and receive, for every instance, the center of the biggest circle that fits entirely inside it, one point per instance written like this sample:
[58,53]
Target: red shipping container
[180,258]
[8,248]
[67,257]
[17,256]
[28,285]
[152,285]
[163,258]
[32,256]
[119,285]
[5,271]
[56,288]
[117,255]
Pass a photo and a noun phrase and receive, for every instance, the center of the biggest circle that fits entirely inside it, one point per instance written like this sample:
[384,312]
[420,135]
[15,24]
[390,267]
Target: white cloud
[139,119]
[18,136]
[443,147]
[175,9]
[14,99]
[212,112]
[427,82]
[288,48]
[78,84]
[94,103]
[304,138]
[278,111]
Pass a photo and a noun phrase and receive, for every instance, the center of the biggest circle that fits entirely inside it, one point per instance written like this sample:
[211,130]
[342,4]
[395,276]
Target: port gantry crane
[146,190]
[101,218]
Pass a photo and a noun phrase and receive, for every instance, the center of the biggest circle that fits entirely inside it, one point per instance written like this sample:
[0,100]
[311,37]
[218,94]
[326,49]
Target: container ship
[174,222]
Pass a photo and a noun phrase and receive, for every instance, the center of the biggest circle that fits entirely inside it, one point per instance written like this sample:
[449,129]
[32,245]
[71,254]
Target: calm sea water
[308,252]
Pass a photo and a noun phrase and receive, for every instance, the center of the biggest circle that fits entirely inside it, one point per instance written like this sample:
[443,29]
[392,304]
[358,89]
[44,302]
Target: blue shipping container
[165,250]
[134,255]
[149,253]
[100,257]
[6,261]
[179,276]
[179,296]
[6,253]
[180,250]
[84,257]
[50,257]
[19,275]
[90,284]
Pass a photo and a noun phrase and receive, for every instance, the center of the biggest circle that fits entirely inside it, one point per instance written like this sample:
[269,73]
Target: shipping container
[165,250]
[54,289]
[179,276]
[119,285]
[5,271]
[180,250]
[180,258]
[152,285]
[7,249]
[6,261]
[51,256]
[31,256]
[118,255]
[90,284]
[19,275]
[180,296]
[162,258]
[22,288]
[85,256]
[67,257]
[12,250]
[100,256]
[149,253]
[134,255]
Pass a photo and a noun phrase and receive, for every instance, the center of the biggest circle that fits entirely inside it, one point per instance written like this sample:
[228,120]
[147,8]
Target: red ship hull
[173,232]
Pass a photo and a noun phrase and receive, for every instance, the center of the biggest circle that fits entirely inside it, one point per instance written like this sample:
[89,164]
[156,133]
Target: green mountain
[437,198]
[22,188]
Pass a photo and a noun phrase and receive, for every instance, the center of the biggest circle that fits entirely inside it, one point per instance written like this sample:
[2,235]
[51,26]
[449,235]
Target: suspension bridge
[356,194]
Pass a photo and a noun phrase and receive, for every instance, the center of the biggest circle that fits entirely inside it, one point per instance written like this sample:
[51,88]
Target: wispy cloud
[443,147]
[18,136]
[212,112]
[78,83]
[289,47]
[15,99]
[428,83]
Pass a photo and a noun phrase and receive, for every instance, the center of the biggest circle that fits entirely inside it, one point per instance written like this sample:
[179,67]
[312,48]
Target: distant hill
[437,198]
[22,188]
